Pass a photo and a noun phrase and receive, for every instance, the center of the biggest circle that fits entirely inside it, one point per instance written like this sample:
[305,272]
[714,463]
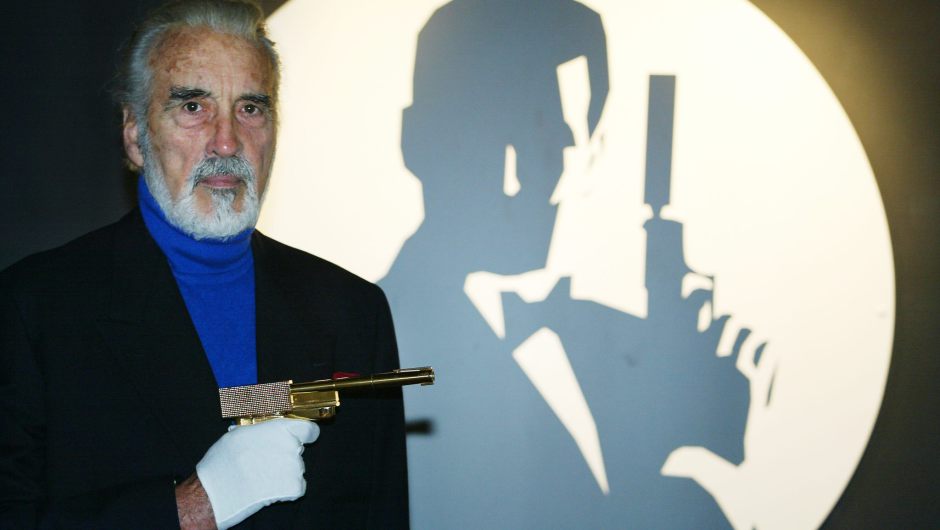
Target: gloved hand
[253,466]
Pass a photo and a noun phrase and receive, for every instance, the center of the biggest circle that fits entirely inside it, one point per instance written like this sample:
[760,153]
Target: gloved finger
[305,431]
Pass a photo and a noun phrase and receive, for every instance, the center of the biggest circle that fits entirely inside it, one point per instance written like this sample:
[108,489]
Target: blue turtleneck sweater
[217,281]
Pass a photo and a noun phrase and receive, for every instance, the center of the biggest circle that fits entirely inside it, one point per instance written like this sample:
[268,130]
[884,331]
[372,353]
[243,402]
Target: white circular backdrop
[770,181]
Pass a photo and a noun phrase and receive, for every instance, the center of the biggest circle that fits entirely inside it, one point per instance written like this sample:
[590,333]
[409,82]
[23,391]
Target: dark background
[62,175]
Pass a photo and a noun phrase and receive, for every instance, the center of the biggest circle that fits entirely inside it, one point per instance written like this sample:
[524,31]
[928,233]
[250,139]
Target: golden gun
[313,401]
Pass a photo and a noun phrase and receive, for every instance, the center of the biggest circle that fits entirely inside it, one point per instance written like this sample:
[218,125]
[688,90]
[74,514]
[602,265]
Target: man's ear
[131,147]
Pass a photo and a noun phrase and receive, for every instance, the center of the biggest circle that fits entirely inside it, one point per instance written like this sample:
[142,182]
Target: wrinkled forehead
[191,55]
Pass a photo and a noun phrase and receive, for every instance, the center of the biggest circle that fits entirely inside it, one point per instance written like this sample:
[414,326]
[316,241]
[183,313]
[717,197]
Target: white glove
[253,466]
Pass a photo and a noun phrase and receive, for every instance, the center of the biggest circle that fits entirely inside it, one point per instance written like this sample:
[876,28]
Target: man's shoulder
[77,259]
[303,268]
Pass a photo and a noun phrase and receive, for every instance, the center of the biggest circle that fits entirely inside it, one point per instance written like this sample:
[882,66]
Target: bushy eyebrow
[178,93]
[259,99]
[185,93]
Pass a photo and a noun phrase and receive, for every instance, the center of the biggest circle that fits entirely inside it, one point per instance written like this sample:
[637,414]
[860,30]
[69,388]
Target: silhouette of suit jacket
[107,397]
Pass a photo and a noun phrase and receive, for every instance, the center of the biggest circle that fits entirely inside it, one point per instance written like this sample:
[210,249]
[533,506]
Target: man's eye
[191,106]
[252,109]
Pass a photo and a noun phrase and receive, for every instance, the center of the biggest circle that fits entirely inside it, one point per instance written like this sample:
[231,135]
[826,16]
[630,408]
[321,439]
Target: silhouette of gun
[665,261]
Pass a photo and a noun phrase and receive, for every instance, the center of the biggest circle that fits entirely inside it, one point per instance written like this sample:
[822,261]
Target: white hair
[241,18]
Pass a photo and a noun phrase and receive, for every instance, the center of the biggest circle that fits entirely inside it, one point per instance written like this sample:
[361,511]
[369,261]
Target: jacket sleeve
[25,501]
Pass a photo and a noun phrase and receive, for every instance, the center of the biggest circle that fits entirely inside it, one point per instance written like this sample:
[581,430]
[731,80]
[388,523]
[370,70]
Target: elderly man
[114,345]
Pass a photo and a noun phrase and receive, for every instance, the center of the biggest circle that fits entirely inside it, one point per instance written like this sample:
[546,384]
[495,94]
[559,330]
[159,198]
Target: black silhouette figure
[496,456]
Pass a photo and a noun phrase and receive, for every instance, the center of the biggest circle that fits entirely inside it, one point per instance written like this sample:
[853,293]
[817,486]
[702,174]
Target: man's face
[210,131]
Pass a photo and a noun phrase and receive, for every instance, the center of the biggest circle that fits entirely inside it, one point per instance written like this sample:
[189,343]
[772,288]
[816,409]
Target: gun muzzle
[315,400]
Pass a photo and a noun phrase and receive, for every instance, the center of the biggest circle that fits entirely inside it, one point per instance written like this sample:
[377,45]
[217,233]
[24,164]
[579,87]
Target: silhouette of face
[458,148]
[486,83]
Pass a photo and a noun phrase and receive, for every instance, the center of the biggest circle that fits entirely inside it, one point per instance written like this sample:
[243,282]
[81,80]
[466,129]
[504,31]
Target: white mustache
[235,166]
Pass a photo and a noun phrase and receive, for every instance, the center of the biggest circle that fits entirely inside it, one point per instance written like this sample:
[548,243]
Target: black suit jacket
[107,398]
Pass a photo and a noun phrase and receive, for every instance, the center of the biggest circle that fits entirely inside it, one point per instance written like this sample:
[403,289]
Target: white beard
[222,221]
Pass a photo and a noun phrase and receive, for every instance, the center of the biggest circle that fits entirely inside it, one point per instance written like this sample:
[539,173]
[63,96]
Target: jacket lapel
[292,343]
[152,338]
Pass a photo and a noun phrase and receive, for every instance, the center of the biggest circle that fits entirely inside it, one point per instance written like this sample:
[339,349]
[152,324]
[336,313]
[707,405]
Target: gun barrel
[402,377]
[659,132]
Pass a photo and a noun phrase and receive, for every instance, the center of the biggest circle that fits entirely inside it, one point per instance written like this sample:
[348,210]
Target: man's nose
[225,140]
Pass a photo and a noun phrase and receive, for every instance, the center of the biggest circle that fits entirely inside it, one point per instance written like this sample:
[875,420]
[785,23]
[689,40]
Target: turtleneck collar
[209,259]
